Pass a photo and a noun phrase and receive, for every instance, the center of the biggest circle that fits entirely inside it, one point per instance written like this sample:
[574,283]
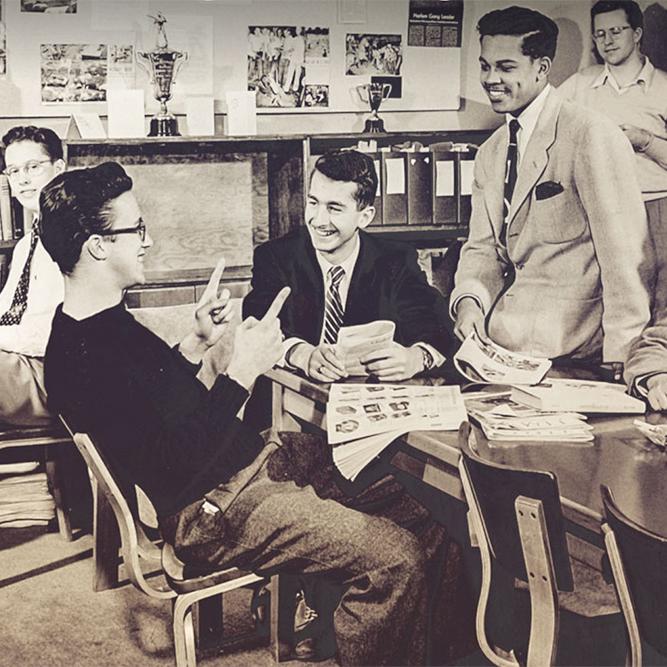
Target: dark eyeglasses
[139,229]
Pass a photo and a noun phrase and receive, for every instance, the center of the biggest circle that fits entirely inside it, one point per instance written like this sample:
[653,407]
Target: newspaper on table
[501,418]
[362,419]
[357,341]
[485,361]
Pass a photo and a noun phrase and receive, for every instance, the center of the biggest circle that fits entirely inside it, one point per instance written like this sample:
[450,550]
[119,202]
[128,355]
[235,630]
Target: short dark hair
[351,167]
[540,33]
[77,204]
[43,136]
[632,11]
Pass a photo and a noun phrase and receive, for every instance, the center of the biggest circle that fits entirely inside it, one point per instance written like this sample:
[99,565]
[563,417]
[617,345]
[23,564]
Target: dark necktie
[333,306]
[20,299]
[510,177]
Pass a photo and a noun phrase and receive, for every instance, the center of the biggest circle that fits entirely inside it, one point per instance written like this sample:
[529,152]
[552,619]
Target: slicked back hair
[539,32]
[43,136]
[351,167]
[632,11]
[77,204]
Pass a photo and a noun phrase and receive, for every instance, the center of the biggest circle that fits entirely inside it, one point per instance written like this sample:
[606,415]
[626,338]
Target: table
[620,457]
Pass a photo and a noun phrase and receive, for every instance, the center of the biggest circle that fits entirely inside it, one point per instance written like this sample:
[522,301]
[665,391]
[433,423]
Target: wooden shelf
[8,245]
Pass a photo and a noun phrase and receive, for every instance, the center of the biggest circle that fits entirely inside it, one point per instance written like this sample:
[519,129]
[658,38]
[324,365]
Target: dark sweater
[155,423]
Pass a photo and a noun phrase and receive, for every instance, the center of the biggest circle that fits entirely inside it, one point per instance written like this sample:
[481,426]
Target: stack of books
[24,496]
[362,419]
[502,418]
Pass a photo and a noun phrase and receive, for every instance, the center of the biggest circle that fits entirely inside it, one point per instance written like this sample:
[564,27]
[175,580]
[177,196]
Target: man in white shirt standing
[558,255]
[633,93]
[34,287]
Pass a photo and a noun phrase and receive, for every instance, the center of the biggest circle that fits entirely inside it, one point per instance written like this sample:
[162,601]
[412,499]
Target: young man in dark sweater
[165,419]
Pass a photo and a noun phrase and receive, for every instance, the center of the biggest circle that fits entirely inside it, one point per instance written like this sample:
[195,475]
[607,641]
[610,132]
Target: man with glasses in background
[34,287]
[627,88]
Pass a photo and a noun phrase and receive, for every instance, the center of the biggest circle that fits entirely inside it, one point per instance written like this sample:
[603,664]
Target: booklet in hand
[485,361]
[357,341]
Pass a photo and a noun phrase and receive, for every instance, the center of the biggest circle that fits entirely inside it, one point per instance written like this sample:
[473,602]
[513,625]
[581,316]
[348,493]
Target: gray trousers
[656,211]
[268,524]
[22,395]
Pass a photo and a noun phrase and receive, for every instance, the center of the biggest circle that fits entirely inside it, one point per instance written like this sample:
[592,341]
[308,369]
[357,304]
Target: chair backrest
[496,488]
[644,559]
[135,545]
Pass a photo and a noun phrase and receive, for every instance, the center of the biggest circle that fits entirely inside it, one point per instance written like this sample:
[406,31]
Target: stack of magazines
[362,419]
[24,496]
[502,418]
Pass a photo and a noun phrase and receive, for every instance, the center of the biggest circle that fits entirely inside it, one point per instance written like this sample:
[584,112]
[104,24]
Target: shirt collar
[645,76]
[528,117]
[347,265]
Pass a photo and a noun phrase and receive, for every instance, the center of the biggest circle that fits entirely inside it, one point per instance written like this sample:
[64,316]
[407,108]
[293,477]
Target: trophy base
[164,127]
[374,125]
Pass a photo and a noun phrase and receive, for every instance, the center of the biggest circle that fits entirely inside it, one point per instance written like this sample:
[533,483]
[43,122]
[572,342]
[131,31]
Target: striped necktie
[510,177]
[333,306]
[20,299]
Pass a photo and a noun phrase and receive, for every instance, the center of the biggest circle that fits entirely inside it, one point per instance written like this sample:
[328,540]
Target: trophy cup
[162,65]
[373,94]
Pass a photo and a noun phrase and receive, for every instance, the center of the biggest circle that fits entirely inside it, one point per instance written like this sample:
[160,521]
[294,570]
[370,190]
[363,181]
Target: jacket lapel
[356,307]
[534,162]
[496,169]
[310,316]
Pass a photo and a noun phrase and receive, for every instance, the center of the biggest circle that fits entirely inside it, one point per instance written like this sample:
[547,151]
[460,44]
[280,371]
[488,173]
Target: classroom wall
[18,94]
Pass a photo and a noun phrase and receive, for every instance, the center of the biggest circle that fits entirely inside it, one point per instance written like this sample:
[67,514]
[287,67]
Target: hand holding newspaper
[357,341]
[485,361]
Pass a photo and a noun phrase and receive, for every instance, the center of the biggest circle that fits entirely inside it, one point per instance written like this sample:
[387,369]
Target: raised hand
[214,309]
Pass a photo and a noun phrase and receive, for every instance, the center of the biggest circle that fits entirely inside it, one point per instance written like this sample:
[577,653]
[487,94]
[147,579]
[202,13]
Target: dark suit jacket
[387,284]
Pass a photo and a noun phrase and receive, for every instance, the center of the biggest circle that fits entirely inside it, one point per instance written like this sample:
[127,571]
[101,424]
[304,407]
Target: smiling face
[127,251]
[511,79]
[27,186]
[333,218]
[616,49]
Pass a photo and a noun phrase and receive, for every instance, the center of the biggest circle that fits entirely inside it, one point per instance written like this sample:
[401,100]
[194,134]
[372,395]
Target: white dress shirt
[45,292]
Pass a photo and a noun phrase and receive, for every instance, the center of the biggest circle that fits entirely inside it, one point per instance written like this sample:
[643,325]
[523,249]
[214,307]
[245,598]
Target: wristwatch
[427,359]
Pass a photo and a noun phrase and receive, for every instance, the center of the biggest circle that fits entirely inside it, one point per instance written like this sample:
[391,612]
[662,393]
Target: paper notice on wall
[241,113]
[200,116]
[395,176]
[125,108]
[467,176]
[444,178]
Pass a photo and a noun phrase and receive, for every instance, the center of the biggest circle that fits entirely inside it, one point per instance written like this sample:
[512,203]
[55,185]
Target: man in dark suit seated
[340,276]
[166,420]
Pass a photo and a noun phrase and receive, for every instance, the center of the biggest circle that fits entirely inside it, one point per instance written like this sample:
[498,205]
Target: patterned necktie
[333,306]
[20,299]
[510,177]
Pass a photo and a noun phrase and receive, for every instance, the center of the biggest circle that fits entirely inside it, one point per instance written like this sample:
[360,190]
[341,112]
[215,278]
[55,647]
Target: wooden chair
[516,520]
[51,438]
[184,590]
[638,560]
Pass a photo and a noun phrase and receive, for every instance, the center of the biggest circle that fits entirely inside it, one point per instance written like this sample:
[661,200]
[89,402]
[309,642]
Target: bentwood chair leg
[184,633]
[279,629]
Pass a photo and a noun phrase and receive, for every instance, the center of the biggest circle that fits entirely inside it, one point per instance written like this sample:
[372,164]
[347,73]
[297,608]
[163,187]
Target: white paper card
[395,176]
[200,116]
[467,176]
[444,178]
[318,74]
[86,125]
[241,113]
[126,113]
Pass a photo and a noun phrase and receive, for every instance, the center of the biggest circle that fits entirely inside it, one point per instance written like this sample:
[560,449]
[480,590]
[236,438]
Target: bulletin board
[55,61]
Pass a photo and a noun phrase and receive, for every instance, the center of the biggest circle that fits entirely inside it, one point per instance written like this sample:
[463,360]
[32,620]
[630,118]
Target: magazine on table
[362,419]
[579,395]
[502,418]
[485,361]
[357,341]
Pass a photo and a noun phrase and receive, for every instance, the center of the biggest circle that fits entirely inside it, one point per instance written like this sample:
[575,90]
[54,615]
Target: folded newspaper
[485,361]
[501,418]
[362,419]
[357,341]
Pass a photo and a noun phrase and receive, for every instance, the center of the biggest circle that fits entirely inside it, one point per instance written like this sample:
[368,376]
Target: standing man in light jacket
[558,255]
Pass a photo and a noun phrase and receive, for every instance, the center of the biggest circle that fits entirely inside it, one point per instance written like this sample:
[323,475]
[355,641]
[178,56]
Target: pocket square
[548,189]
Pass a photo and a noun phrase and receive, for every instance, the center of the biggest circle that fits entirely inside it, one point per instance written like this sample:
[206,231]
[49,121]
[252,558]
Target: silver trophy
[162,65]
[373,94]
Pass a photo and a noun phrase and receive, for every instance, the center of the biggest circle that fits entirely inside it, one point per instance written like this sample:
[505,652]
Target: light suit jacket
[572,280]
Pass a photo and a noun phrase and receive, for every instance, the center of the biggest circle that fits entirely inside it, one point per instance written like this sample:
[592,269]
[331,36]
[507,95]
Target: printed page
[357,341]
[482,361]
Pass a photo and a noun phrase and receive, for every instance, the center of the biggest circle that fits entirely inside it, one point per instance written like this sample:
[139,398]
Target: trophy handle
[386,90]
[362,92]
[181,58]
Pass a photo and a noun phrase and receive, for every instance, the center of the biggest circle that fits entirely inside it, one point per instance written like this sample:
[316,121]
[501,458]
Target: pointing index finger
[211,290]
[275,307]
